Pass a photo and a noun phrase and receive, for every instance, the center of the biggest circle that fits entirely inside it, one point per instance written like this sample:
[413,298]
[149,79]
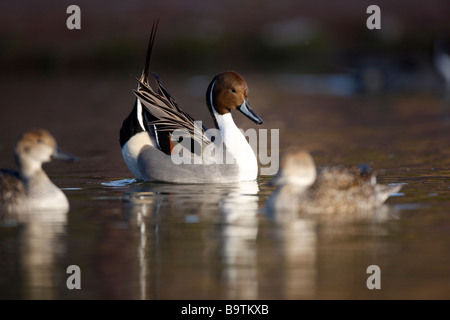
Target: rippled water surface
[140,240]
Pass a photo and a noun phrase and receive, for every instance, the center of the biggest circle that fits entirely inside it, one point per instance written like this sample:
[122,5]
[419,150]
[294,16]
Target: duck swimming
[328,190]
[29,188]
[150,135]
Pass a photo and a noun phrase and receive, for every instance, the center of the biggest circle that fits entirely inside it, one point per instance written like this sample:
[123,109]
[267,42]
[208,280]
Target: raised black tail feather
[164,125]
[145,72]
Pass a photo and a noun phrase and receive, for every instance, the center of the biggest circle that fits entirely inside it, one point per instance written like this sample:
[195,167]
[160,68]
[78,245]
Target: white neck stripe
[139,114]
[211,97]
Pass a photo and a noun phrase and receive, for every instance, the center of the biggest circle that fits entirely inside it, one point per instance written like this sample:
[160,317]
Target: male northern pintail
[161,142]
[328,190]
[29,188]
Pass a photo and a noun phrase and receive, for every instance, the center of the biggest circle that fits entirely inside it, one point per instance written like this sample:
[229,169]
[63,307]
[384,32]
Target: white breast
[132,149]
[237,145]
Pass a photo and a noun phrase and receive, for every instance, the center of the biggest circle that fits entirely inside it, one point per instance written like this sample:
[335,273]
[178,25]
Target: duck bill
[59,154]
[249,113]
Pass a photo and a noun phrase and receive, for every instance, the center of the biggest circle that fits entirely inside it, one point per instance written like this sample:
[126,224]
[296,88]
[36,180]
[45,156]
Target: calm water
[136,240]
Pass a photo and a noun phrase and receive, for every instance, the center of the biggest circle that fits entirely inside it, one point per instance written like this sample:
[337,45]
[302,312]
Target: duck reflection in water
[35,260]
[225,214]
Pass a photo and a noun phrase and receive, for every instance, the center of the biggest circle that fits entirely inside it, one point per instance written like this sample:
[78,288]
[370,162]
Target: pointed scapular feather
[163,107]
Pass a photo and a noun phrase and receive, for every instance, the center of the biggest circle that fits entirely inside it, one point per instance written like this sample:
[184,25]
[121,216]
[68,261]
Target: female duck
[161,142]
[329,190]
[29,188]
